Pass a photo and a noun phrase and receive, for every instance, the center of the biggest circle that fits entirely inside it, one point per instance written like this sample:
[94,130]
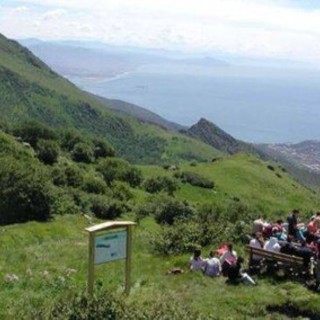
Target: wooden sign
[110,241]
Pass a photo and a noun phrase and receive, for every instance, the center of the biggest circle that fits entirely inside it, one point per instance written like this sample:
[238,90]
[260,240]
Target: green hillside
[31,91]
[60,172]
[264,187]
[44,265]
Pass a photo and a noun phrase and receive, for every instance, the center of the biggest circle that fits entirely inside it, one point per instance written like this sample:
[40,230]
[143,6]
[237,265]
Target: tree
[160,183]
[33,131]
[82,152]
[48,151]
[24,192]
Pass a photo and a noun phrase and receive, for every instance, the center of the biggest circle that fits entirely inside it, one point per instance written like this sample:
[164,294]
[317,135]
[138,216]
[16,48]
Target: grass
[247,179]
[50,260]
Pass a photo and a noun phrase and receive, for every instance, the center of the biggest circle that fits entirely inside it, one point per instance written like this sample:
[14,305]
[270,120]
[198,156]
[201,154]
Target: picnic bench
[281,259]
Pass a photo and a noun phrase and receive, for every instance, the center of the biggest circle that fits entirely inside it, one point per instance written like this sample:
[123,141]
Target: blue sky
[254,28]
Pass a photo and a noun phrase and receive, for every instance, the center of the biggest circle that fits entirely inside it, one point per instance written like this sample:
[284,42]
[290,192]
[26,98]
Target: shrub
[81,307]
[165,209]
[105,305]
[24,192]
[33,131]
[179,238]
[94,184]
[67,174]
[119,169]
[121,191]
[106,208]
[69,138]
[195,179]
[133,176]
[82,152]
[74,175]
[47,151]
[63,202]
[160,183]
[112,169]
[102,149]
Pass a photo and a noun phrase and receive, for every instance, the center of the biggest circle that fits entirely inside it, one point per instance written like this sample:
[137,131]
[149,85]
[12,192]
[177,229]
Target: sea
[254,104]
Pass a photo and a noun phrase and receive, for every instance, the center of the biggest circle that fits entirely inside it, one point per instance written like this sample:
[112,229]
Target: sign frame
[97,230]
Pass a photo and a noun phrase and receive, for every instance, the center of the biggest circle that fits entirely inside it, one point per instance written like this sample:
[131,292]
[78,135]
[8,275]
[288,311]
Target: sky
[280,29]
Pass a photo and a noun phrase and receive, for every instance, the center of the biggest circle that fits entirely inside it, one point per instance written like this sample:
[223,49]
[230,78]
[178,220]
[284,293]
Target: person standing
[293,227]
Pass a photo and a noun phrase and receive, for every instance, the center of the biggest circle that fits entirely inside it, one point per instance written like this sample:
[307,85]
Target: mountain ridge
[32,91]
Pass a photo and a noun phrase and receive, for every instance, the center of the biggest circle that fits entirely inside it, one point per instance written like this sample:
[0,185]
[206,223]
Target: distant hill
[211,134]
[30,90]
[140,113]
[95,59]
[85,60]
[300,160]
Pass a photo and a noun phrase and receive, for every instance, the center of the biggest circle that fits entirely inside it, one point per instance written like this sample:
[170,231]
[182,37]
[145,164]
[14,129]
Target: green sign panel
[110,246]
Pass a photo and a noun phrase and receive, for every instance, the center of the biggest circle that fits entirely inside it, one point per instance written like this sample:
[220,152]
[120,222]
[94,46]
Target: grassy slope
[248,179]
[41,255]
[30,90]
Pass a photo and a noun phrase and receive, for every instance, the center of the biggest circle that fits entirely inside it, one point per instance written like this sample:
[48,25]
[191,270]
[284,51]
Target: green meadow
[50,261]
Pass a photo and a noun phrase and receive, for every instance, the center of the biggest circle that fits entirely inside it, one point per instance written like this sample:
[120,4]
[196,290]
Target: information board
[110,246]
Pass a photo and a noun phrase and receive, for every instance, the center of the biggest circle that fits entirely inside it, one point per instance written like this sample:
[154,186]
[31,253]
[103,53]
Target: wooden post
[91,263]
[128,260]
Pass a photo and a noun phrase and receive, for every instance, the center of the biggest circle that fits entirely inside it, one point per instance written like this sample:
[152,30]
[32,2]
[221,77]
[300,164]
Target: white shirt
[212,267]
[255,244]
[196,264]
[272,245]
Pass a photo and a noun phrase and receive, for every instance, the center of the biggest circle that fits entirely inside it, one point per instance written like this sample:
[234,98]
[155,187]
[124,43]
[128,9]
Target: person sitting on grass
[236,276]
[227,259]
[196,261]
[212,266]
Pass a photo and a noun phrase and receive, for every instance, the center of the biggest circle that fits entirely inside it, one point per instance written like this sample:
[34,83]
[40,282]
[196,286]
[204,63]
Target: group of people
[224,261]
[290,237]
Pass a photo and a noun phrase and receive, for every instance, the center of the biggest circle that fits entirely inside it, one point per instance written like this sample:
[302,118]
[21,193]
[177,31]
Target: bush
[102,149]
[69,138]
[112,169]
[82,152]
[182,237]
[63,202]
[47,151]
[81,307]
[105,305]
[121,191]
[94,184]
[108,209]
[33,131]
[195,179]
[133,176]
[118,169]
[67,174]
[160,183]
[165,209]
[24,192]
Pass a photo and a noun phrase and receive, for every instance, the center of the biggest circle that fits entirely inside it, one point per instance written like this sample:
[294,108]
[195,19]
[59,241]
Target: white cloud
[256,28]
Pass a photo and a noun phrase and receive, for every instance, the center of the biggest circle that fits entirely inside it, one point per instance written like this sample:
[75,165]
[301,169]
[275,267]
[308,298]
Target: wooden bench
[281,258]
